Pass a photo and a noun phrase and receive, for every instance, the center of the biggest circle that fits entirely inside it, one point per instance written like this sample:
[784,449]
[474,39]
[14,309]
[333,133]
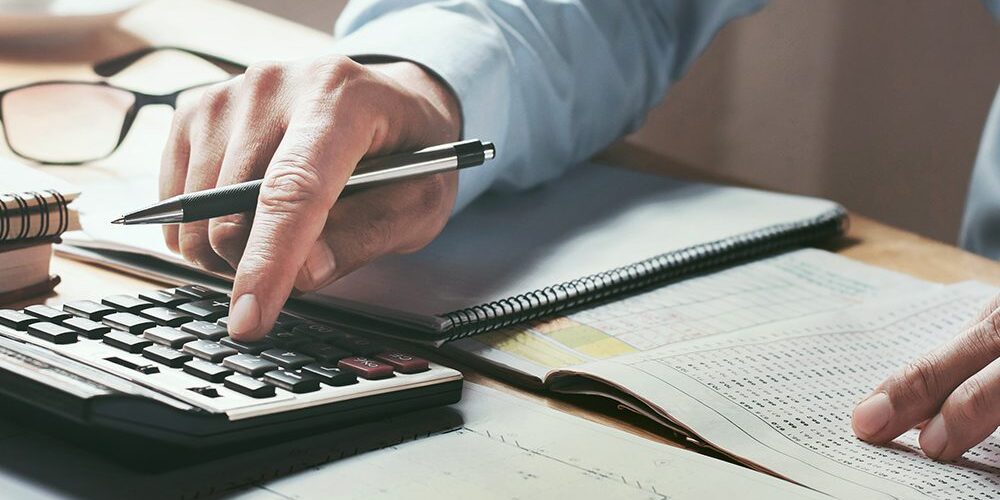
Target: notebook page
[791,285]
[594,219]
[781,396]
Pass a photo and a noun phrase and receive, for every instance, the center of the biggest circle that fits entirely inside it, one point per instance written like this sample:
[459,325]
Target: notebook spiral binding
[653,271]
[45,207]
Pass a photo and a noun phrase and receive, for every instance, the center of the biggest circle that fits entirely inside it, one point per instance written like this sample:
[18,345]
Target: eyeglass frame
[110,67]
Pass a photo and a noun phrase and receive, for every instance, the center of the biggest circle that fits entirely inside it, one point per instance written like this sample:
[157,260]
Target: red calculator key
[366,367]
[404,363]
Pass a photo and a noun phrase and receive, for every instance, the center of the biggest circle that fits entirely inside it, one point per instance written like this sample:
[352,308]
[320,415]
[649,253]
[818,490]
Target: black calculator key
[287,359]
[205,330]
[128,322]
[198,292]
[356,345]
[166,316]
[47,313]
[286,321]
[208,350]
[206,310]
[205,370]
[126,303]
[249,386]
[126,341]
[249,365]
[172,337]
[87,328]
[223,322]
[323,352]
[292,381]
[315,329]
[88,309]
[248,347]
[51,332]
[330,374]
[287,338]
[163,354]
[16,319]
[165,298]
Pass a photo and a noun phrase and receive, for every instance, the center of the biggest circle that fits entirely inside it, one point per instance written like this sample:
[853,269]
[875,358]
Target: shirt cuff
[461,46]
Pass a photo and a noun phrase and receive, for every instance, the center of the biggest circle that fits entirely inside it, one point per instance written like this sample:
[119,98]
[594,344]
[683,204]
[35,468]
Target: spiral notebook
[597,233]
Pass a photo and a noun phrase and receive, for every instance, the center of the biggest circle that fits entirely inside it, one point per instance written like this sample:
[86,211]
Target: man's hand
[303,127]
[954,391]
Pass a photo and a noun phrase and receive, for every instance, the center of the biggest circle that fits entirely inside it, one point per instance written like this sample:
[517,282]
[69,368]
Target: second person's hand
[303,127]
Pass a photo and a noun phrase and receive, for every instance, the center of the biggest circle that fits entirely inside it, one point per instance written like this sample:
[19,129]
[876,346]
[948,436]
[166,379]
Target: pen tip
[120,220]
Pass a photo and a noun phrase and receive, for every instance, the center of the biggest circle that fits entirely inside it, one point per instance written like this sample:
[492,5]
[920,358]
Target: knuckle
[970,403]
[334,71]
[919,381]
[289,183]
[214,101]
[374,237]
[263,78]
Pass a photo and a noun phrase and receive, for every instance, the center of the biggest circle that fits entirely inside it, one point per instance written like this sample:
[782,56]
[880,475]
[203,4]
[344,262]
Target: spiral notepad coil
[21,220]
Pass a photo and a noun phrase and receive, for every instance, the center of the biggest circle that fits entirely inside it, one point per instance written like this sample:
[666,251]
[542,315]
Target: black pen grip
[229,200]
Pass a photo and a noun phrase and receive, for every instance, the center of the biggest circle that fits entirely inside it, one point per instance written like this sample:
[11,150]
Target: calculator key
[292,381]
[206,310]
[287,338]
[126,303]
[47,313]
[356,345]
[51,332]
[172,337]
[205,330]
[126,341]
[128,322]
[208,350]
[286,321]
[249,365]
[366,367]
[287,359]
[88,309]
[330,374]
[323,352]
[404,363]
[165,316]
[205,370]
[16,319]
[248,347]
[165,298]
[163,354]
[198,292]
[87,328]
[223,322]
[314,329]
[249,386]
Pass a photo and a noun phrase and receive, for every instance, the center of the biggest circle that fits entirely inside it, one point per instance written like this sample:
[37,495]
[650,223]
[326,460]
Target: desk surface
[867,240]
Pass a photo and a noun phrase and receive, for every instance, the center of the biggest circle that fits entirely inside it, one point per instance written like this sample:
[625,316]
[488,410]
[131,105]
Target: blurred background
[878,105]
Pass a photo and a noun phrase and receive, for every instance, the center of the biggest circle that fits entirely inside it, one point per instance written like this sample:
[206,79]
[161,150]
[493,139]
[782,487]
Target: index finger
[309,169]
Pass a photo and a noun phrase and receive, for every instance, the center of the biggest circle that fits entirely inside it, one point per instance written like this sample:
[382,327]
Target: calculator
[160,367]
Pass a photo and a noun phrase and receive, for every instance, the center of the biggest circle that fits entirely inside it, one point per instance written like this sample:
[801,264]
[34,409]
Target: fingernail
[318,269]
[244,316]
[872,415]
[934,437]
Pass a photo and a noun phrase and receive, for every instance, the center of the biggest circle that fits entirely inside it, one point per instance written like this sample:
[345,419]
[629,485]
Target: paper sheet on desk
[502,447]
[781,396]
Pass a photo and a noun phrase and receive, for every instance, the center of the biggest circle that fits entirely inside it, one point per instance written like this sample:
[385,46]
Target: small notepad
[33,204]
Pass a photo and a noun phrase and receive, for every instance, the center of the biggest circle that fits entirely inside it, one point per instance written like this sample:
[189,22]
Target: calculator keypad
[172,340]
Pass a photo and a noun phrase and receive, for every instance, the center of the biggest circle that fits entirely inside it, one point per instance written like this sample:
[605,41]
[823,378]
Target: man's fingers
[252,143]
[968,416]
[917,392]
[209,136]
[173,171]
[363,226]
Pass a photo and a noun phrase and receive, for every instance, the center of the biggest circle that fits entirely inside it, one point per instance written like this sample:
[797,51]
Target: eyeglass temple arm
[115,65]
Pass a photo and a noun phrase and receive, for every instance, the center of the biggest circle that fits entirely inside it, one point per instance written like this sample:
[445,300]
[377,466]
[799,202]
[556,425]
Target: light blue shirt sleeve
[981,222]
[550,82]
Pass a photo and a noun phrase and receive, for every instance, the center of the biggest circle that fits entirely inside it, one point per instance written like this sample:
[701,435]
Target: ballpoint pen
[242,197]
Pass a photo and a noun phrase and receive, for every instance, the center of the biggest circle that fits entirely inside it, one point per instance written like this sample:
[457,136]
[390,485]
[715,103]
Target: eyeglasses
[63,122]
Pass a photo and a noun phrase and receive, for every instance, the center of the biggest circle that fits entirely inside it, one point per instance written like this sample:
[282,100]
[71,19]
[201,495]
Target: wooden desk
[196,24]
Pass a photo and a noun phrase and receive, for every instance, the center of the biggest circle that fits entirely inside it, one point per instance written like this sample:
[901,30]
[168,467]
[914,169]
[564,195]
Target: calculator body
[92,385]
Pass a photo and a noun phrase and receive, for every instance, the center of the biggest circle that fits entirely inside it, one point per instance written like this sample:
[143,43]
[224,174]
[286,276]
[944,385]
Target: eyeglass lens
[64,122]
